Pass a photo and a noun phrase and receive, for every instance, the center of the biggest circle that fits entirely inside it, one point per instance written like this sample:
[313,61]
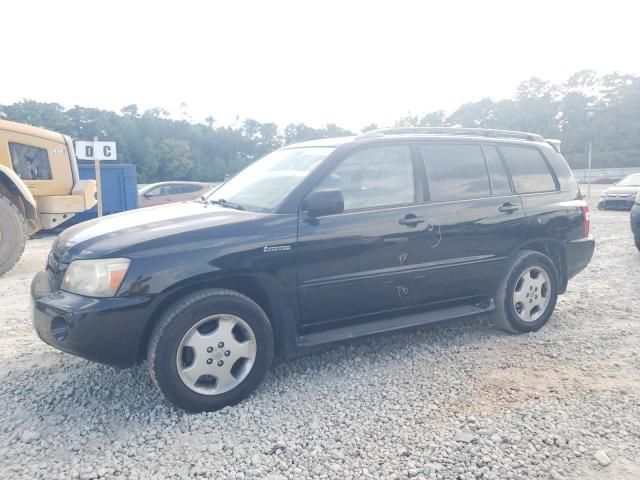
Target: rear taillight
[586,220]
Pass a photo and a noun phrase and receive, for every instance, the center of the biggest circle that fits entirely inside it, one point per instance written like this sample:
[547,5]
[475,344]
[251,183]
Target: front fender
[278,301]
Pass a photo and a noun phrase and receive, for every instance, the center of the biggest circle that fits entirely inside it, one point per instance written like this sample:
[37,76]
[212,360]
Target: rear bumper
[106,330]
[578,254]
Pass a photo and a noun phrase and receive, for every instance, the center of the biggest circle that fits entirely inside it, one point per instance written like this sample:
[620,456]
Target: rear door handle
[411,220]
[508,207]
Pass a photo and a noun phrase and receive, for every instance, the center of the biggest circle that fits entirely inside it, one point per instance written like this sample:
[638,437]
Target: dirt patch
[524,383]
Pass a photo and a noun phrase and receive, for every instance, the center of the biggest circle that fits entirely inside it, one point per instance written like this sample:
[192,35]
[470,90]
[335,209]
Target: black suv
[315,243]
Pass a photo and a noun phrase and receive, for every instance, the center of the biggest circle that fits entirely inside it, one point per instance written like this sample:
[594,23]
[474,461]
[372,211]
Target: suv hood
[108,235]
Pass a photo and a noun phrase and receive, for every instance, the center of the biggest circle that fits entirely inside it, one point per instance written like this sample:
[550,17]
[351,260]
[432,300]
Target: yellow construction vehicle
[39,186]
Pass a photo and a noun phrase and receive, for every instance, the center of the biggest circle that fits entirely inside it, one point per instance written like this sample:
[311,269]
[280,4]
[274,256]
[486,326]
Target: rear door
[476,217]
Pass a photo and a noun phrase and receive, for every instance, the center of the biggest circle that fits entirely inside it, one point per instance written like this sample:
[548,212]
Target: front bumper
[106,330]
[578,254]
[607,203]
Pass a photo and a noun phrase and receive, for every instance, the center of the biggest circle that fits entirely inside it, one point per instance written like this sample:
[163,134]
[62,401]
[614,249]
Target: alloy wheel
[532,294]
[216,354]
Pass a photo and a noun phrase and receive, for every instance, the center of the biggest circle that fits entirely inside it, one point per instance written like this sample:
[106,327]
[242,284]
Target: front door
[360,262]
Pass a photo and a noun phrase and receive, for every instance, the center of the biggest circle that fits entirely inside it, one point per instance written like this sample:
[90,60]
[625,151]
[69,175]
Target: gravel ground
[455,400]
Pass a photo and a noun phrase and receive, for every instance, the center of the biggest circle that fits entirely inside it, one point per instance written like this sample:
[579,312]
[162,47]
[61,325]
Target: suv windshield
[630,181]
[264,184]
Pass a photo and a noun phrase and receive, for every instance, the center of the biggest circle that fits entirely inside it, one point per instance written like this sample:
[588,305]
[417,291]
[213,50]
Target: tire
[637,243]
[192,331]
[13,234]
[513,318]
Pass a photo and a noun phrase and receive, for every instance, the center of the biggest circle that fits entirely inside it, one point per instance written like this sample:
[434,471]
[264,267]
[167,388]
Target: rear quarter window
[529,169]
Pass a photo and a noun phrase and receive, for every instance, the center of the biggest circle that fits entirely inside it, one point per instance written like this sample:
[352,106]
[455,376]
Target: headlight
[95,278]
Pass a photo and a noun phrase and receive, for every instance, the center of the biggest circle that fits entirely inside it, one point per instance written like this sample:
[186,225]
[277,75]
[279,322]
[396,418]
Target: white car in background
[169,192]
[622,195]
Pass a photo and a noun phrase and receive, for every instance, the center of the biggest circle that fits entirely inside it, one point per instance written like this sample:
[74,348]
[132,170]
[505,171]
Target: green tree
[174,159]
[480,114]
[299,132]
[603,110]
[434,119]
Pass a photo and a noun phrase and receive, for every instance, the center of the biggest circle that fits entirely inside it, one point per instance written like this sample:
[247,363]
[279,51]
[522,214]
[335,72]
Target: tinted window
[30,163]
[179,189]
[528,169]
[161,190]
[455,172]
[374,177]
[497,174]
[190,188]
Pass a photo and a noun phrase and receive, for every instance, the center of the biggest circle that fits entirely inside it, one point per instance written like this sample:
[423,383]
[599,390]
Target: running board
[392,324]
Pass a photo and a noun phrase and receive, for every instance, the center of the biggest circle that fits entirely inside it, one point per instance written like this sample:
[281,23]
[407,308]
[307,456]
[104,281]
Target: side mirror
[324,202]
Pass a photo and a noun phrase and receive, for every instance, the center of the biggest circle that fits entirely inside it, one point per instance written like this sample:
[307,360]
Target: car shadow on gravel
[65,390]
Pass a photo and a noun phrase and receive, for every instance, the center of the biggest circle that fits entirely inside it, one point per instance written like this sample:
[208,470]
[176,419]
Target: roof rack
[476,132]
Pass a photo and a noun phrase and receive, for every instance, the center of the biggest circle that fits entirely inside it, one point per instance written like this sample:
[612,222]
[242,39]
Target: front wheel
[210,350]
[13,234]
[527,295]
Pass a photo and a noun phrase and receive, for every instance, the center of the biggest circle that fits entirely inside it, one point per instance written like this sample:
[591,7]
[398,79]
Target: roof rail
[556,144]
[476,132]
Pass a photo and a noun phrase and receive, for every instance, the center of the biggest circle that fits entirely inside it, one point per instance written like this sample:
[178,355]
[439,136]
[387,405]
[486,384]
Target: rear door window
[529,169]
[30,163]
[497,174]
[455,171]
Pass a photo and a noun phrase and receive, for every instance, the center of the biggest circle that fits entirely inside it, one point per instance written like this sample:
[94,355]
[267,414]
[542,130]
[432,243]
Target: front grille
[55,270]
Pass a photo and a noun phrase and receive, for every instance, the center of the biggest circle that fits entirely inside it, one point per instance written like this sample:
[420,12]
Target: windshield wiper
[224,203]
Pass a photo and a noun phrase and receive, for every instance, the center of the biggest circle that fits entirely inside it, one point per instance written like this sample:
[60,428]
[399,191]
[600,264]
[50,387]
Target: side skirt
[308,341]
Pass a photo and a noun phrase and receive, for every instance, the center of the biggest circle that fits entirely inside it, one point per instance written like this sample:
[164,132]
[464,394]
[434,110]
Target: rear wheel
[13,234]
[527,295]
[210,349]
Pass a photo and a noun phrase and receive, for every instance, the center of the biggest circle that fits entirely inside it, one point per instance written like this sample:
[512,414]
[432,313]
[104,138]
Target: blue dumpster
[119,188]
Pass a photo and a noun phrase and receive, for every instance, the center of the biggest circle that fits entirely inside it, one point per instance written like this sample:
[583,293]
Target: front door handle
[508,207]
[411,220]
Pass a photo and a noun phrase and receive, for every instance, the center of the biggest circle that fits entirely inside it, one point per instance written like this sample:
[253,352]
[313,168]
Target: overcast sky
[349,63]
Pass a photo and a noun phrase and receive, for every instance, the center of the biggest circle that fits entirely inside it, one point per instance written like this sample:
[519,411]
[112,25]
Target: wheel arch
[251,286]
[555,251]
[12,187]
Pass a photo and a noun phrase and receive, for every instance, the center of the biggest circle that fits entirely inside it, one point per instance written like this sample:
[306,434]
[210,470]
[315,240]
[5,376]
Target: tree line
[601,110]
